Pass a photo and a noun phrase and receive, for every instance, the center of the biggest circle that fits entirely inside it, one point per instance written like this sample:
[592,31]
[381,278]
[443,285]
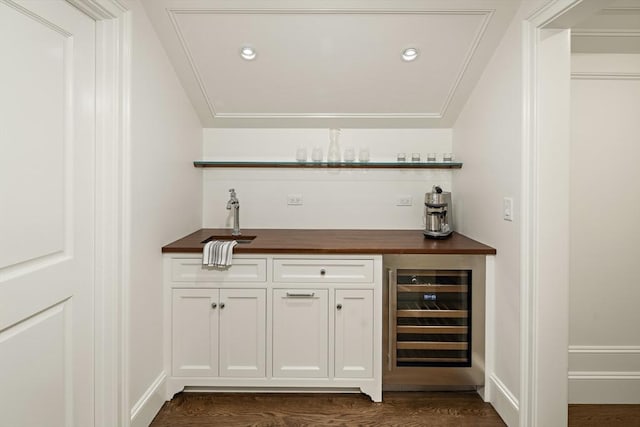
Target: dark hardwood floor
[437,409]
[604,415]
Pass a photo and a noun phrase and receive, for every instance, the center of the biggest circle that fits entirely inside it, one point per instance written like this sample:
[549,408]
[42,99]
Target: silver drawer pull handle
[300,295]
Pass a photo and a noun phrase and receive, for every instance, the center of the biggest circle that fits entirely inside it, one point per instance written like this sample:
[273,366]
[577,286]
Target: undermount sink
[239,239]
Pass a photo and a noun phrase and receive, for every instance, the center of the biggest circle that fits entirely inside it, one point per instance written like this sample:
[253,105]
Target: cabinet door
[242,332]
[300,333]
[195,332]
[354,333]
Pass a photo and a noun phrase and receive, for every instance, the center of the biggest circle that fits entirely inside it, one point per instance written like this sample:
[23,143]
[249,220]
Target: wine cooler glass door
[431,317]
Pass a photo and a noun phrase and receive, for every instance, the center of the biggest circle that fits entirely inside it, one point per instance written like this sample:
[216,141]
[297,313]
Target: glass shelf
[352,165]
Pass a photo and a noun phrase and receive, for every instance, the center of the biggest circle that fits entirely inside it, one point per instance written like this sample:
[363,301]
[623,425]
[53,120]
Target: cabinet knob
[214,305]
[339,306]
[323,272]
[221,305]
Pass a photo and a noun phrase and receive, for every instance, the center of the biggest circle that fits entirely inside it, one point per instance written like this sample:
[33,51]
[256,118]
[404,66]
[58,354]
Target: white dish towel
[218,253]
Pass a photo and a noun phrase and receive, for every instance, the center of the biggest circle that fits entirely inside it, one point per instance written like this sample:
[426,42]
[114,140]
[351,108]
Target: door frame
[535,378]
[111,305]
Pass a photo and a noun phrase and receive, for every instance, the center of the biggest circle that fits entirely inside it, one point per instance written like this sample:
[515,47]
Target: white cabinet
[275,322]
[354,347]
[300,333]
[242,333]
[194,333]
[218,332]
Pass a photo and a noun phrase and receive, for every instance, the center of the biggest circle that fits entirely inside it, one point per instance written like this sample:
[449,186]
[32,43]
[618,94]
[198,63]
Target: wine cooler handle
[392,320]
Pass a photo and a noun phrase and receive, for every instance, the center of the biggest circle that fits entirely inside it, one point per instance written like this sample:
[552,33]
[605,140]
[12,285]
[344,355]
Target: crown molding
[604,33]
[308,11]
[330,116]
[36,18]
[191,61]
[100,9]
[627,10]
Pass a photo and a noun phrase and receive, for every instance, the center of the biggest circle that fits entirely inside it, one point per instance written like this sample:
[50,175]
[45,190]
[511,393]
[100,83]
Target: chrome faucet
[234,204]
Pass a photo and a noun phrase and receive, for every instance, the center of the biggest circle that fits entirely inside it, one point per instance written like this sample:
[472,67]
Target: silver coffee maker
[438,212]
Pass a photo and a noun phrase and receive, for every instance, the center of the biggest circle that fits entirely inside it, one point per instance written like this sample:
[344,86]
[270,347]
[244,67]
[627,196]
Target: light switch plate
[507,209]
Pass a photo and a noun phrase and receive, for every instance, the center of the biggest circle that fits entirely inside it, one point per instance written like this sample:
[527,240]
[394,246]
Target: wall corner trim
[533,344]
[147,407]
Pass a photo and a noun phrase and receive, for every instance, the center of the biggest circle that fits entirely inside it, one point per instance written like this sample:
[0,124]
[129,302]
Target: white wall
[487,139]
[332,198]
[604,352]
[166,193]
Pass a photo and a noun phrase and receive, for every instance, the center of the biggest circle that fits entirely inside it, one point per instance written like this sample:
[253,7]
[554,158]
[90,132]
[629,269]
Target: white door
[46,214]
[354,333]
[300,333]
[242,333]
[195,332]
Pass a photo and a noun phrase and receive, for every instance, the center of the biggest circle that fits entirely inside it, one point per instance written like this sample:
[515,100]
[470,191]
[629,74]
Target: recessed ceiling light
[409,54]
[248,53]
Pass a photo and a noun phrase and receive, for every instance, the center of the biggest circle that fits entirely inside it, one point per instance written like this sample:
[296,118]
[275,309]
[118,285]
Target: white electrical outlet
[507,209]
[294,200]
[404,201]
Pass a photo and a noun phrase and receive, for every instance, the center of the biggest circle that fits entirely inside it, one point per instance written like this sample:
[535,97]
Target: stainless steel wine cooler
[434,321]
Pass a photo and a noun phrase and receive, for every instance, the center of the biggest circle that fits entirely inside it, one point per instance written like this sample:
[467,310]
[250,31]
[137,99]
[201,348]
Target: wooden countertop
[335,242]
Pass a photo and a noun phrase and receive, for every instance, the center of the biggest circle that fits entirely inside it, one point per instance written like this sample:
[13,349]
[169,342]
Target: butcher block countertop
[296,241]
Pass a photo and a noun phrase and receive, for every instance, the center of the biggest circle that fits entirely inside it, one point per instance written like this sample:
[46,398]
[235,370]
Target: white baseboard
[147,407]
[504,402]
[604,374]
[604,387]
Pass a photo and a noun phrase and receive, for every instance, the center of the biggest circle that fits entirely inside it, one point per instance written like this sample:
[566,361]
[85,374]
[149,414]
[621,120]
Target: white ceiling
[327,63]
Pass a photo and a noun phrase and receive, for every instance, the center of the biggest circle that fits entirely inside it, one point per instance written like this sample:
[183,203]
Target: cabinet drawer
[242,270]
[323,270]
